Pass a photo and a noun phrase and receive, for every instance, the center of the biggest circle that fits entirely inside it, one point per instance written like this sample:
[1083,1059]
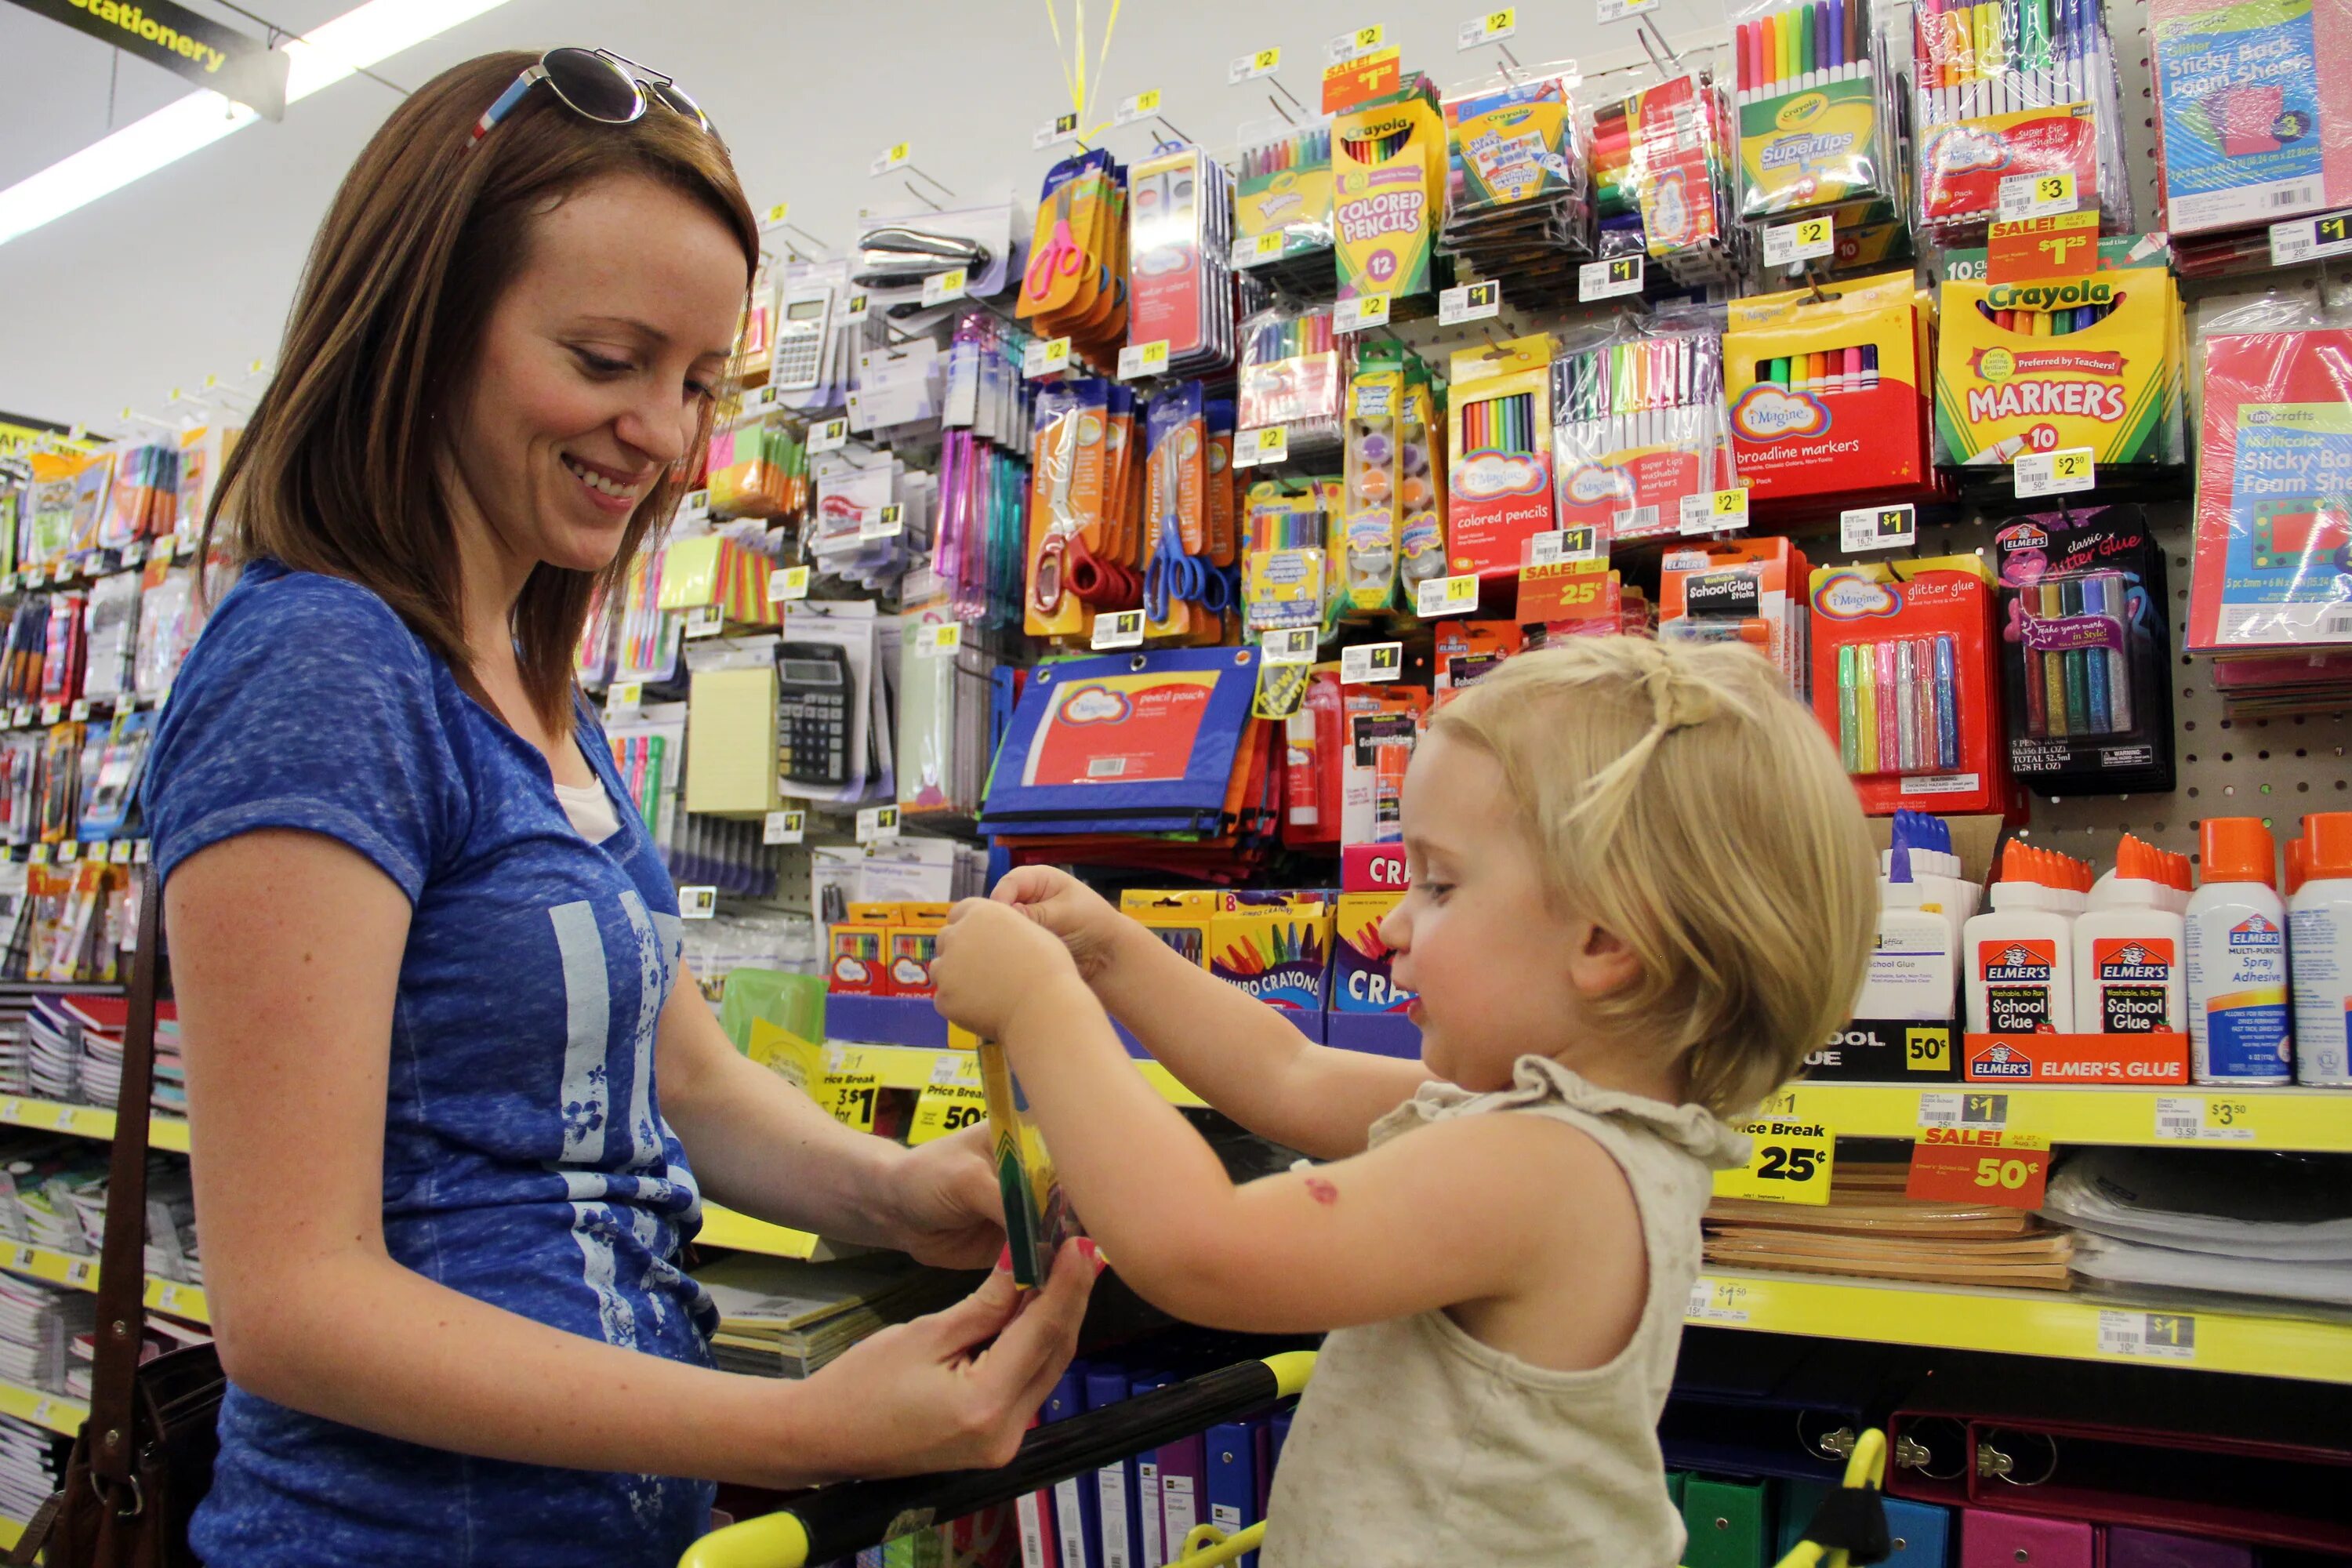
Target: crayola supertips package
[1828,393]
[1388,196]
[2050,364]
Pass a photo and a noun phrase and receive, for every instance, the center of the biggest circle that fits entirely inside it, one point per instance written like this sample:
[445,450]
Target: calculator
[814,695]
[799,358]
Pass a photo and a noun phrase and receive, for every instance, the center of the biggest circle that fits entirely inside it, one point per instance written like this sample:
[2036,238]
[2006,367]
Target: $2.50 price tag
[1789,1163]
[2055,473]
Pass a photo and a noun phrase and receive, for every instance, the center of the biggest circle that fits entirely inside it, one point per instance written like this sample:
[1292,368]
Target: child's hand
[1082,918]
[992,960]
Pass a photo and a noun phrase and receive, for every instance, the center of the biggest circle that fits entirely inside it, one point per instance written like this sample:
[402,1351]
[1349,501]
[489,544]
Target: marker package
[1904,680]
[1662,170]
[1828,395]
[1388,163]
[1816,119]
[1516,206]
[1287,577]
[1638,422]
[1180,246]
[1285,191]
[1499,488]
[1294,374]
[2084,652]
[2046,365]
[2012,88]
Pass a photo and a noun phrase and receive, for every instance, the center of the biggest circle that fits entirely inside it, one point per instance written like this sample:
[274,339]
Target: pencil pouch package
[1815,117]
[1373,465]
[2086,652]
[1362,981]
[1275,946]
[1828,393]
[2054,363]
[1387,161]
[2249,128]
[1747,591]
[2272,564]
[1904,680]
[1638,423]
[1498,485]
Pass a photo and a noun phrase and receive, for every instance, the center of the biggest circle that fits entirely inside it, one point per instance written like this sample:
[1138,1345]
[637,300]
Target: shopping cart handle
[837,1522]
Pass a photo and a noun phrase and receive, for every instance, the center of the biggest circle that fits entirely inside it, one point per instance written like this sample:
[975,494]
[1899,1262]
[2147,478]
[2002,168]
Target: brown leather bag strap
[122,1261]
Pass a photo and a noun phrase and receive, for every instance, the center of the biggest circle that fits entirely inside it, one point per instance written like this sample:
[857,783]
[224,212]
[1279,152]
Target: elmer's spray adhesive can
[2319,940]
[2237,958]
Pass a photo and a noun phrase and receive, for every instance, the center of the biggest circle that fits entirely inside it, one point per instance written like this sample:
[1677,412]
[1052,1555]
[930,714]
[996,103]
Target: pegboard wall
[2275,768]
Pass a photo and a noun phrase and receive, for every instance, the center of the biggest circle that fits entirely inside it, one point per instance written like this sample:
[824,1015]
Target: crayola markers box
[1360,981]
[1388,198]
[2050,364]
[1275,946]
[1828,395]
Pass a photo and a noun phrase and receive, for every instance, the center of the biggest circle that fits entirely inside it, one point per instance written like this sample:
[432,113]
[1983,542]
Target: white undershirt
[590,809]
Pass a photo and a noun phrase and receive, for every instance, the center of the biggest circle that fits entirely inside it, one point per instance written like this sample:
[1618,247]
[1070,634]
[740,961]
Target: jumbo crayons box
[1275,946]
[2050,364]
[2249,129]
[1360,982]
[1827,395]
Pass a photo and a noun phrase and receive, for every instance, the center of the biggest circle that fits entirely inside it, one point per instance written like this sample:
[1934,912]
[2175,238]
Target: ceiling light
[326,55]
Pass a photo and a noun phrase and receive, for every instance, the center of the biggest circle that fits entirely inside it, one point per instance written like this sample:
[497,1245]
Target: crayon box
[1360,981]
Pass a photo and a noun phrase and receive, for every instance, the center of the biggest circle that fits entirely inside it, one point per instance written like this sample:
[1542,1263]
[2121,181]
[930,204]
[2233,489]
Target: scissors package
[1075,284]
[1070,480]
[1180,248]
[1387,165]
[1637,424]
[1498,423]
[1179,601]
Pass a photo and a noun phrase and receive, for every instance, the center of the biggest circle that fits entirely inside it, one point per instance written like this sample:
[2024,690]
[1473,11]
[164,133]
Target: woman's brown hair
[338,467]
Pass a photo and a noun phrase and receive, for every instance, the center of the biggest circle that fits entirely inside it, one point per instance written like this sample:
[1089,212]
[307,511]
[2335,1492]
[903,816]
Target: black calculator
[815,696]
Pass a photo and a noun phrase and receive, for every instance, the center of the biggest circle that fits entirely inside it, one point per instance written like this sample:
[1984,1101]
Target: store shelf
[178,1301]
[168,1132]
[181,1300]
[2021,1322]
[725,1227]
[2309,1120]
[58,1412]
[11,1532]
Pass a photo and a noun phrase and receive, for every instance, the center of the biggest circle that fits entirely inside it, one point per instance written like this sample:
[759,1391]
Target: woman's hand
[1085,921]
[949,1210]
[956,1390]
[991,963]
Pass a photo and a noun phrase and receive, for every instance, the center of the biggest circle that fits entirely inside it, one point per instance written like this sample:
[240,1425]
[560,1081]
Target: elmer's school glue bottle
[2319,940]
[2127,976]
[2020,952]
[2236,957]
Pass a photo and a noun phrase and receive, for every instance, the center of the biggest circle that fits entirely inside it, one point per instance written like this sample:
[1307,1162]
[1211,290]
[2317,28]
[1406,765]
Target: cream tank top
[1416,1445]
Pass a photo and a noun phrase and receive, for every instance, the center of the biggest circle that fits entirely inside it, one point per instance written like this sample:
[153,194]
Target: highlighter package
[1748,590]
[1275,946]
[2086,652]
[2092,361]
[1499,488]
[1904,680]
[1037,1213]
[1388,163]
[1816,122]
[1638,423]
[1829,401]
[1361,961]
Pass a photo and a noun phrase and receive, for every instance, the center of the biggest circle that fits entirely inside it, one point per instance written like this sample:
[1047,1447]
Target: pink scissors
[1062,257]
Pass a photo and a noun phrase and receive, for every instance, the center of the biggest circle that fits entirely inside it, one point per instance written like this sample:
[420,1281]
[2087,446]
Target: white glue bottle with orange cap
[2020,952]
[2236,957]
[2128,949]
[2319,937]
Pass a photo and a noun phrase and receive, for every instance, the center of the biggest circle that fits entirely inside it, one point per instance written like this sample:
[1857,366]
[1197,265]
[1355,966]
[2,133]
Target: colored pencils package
[1637,424]
[1294,374]
[1829,394]
[2006,90]
[1514,202]
[2273,569]
[2248,131]
[1388,171]
[2084,652]
[1816,121]
[2091,361]
[1282,203]
[1664,170]
[1499,489]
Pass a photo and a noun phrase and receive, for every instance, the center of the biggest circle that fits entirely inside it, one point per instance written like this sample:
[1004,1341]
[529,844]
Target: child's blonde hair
[1683,799]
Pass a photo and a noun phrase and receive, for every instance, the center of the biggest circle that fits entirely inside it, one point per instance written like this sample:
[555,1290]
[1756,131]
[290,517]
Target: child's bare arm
[1232,1051]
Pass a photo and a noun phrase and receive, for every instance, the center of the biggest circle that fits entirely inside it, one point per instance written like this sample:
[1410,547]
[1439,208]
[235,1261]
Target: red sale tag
[1976,1164]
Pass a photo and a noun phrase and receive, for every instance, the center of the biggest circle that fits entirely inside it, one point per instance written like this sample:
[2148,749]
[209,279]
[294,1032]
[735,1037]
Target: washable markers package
[2249,127]
[2086,652]
[1638,423]
[1037,1216]
[2273,569]
[1815,118]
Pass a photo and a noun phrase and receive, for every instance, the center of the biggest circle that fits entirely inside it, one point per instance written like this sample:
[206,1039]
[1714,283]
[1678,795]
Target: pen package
[1815,119]
[1361,961]
[1275,946]
[2084,652]
[1638,423]
[1829,394]
[1904,680]
[2058,362]
[1294,374]
[1388,163]
[1499,487]
[1749,590]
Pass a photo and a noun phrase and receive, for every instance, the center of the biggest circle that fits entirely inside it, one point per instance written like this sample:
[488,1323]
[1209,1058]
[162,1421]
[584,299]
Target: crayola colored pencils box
[1037,1216]
[1387,195]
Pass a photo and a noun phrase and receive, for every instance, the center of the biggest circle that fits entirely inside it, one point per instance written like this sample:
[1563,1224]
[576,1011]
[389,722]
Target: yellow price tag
[849,1098]
[2054,188]
[1148,102]
[1789,1163]
[1266,61]
[253,367]
[1505,19]
[1370,38]
[776,214]
[1461,591]
[211,381]
[1144,358]
[900,152]
[1732,502]
[1928,1049]
[1813,231]
[176,394]
[2072,464]
[791,582]
[945,1108]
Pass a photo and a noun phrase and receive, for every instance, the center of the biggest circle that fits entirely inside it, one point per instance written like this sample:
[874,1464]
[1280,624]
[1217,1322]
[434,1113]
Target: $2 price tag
[1807,239]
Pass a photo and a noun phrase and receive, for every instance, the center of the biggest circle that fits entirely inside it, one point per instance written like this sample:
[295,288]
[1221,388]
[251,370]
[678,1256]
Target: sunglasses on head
[599,84]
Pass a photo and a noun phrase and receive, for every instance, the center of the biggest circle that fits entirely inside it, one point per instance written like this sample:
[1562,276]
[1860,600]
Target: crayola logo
[2070,294]
[1845,596]
[1769,412]
[1802,110]
[1095,705]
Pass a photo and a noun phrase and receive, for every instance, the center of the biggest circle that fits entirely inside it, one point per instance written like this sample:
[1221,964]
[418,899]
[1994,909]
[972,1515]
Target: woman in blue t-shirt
[445,1069]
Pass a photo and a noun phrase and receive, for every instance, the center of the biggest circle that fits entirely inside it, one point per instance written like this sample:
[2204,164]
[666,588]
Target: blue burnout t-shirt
[526,1161]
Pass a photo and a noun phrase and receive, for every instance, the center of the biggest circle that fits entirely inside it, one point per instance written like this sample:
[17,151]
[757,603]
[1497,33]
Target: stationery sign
[182,42]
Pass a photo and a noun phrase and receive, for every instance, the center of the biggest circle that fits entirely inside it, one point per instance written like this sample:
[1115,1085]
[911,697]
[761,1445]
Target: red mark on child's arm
[1322,1192]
